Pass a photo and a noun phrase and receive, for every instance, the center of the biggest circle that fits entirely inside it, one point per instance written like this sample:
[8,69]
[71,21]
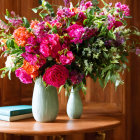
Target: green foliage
[26,22]
[46,9]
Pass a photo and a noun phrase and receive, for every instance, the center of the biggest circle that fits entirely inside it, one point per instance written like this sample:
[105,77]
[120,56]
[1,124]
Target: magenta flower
[4,26]
[118,24]
[81,17]
[16,21]
[30,58]
[89,32]
[50,45]
[88,4]
[76,32]
[56,75]
[23,76]
[32,41]
[45,50]
[67,59]
[34,59]
[123,7]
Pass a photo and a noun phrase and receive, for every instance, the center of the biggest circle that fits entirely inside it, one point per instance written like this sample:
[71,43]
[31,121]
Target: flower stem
[104,2]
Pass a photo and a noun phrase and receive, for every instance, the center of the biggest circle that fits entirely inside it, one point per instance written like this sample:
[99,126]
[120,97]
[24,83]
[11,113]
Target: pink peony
[23,76]
[67,59]
[76,32]
[56,75]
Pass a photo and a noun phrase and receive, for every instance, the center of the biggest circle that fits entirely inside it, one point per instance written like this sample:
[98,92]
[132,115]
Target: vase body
[74,105]
[44,102]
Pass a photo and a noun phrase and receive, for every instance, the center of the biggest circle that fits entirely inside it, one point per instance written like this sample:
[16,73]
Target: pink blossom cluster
[123,8]
[67,58]
[50,45]
[23,76]
[15,20]
[112,22]
[76,32]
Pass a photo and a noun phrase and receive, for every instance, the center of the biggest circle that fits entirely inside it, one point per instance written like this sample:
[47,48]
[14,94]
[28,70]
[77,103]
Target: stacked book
[13,113]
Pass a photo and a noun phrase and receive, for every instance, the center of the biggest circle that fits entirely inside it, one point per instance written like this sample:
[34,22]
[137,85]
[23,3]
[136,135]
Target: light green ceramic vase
[74,105]
[44,102]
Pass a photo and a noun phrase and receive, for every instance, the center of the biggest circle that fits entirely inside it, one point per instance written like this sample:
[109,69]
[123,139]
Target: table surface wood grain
[62,126]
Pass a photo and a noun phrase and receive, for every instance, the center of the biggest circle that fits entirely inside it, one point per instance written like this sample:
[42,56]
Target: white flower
[10,61]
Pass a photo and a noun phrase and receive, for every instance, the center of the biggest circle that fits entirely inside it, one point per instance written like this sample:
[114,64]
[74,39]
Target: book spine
[14,118]
[20,117]
[20,112]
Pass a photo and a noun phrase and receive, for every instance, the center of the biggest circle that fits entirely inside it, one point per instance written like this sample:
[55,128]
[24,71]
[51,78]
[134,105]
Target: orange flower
[75,10]
[30,69]
[21,35]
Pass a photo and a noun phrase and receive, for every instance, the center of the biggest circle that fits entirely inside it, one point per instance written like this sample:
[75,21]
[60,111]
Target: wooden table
[62,126]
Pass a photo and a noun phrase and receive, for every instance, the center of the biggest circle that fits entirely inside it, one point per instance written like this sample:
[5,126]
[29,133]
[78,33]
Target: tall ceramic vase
[44,102]
[74,105]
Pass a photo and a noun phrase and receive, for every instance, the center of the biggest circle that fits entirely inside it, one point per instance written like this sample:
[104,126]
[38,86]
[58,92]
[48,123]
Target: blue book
[15,110]
[15,118]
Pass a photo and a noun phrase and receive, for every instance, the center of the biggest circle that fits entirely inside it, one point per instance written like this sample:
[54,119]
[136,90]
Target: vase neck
[74,90]
[39,80]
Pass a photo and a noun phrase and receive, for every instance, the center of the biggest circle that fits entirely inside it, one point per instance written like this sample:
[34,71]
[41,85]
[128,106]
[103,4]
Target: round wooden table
[62,126]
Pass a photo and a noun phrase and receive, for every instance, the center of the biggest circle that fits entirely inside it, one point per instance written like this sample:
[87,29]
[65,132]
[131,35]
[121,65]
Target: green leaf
[77,5]
[35,10]
[113,78]
[7,13]
[3,68]
[9,74]
[93,77]
[101,83]
[111,35]
[42,15]
[107,78]
[60,89]
[25,22]
[95,2]
[85,21]
[54,29]
[91,11]
[105,55]
[68,23]
[10,43]
[127,16]
[48,7]
[124,59]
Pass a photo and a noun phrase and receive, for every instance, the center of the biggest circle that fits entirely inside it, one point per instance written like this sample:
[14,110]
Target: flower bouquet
[63,49]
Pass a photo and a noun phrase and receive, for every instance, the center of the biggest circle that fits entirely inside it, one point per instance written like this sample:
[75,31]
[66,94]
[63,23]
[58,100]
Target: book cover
[15,110]
[15,118]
